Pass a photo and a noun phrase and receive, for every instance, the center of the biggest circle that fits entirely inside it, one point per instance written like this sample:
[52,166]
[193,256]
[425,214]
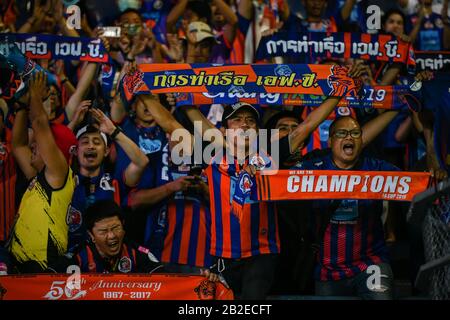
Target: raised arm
[304,129]
[82,89]
[32,24]
[427,120]
[245,9]
[231,18]
[194,114]
[415,31]
[347,8]
[161,115]
[174,14]
[391,74]
[20,147]
[56,166]
[118,110]
[139,161]
[149,197]
[58,13]
[375,126]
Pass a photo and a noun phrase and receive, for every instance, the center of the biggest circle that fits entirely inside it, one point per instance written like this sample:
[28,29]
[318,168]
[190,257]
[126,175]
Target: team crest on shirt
[246,184]
[105,183]
[74,219]
[107,71]
[124,265]
[206,290]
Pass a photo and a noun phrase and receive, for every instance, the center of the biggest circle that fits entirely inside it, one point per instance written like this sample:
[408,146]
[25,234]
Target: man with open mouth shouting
[93,182]
[349,233]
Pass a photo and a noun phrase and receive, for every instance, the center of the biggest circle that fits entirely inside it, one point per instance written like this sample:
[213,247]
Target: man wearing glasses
[349,233]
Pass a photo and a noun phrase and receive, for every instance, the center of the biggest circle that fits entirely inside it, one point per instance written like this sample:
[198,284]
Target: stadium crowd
[80,167]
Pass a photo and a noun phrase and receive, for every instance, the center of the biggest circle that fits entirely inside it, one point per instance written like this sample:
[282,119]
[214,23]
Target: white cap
[91,129]
[200,31]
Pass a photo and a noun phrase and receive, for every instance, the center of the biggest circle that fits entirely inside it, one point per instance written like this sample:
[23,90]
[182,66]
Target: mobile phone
[195,171]
[111,32]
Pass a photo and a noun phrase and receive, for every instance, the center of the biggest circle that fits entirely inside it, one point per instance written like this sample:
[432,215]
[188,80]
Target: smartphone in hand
[111,32]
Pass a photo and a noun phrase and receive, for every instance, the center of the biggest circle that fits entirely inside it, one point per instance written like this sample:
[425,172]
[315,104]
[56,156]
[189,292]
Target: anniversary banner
[375,47]
[46,46]
[111,287]
[340,184]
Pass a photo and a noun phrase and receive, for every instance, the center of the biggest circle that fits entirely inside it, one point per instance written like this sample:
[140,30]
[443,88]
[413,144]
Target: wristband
[115,133]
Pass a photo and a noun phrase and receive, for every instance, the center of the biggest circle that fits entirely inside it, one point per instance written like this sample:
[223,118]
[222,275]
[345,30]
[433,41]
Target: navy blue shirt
[354,237]
[87,191]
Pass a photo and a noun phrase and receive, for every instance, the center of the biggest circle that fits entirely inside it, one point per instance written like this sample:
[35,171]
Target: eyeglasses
[342,133]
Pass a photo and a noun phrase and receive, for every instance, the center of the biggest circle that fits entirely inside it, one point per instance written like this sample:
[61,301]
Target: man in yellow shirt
[39,235]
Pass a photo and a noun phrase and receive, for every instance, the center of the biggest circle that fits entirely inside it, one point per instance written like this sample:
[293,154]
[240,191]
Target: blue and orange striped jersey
[256,233]
[354,236]
[188,237]
[319,137]
[7,187]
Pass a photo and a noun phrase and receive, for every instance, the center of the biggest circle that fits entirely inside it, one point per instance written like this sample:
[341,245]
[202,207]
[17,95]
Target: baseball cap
[229,110]
[64,138]
[91,129]
[200,31]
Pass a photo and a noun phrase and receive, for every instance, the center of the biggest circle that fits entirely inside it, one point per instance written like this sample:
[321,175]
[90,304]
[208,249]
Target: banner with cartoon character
[340,184]
[322,80]
[46,46]
[309,46]
[111,287]
[432,60]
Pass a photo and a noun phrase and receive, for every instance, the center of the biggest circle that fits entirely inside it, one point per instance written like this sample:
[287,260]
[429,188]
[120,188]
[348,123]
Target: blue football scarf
[255,78]
[46,46]
[312,45]
[432,60]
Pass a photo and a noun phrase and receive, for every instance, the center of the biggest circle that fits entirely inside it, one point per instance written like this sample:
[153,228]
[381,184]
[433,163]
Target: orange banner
[111,287]
[336,184]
